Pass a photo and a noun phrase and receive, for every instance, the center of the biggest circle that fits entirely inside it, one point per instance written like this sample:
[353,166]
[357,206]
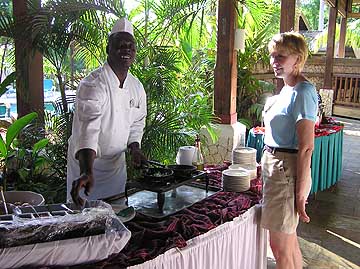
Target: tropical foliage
[167,61]
[311,11]
[176,41]
[8,147]
[260,19]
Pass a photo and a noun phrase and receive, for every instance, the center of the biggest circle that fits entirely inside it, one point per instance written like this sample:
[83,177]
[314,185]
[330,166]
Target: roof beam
[332,3]
[342,8]
[354,15]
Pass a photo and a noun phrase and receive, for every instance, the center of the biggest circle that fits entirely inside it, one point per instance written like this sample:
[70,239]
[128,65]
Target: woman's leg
[298,261]
[286,250]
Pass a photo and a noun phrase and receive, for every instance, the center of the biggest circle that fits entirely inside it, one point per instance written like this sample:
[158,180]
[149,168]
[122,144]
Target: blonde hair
[291,43]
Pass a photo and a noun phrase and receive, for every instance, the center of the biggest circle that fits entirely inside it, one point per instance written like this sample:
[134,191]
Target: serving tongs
[179,170]
[156,163]
[3,199]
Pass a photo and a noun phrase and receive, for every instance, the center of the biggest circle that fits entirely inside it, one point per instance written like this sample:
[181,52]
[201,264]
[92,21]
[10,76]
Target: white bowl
[32,198]
[235,173]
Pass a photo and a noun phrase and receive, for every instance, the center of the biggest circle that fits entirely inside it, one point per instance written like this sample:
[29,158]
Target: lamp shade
[239,41]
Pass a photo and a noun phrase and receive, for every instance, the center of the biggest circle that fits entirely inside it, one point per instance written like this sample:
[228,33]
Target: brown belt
[274,150]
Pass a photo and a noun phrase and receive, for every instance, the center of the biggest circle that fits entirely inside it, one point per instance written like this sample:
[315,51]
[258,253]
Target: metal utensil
[3,199]
[156,163]
[67,208]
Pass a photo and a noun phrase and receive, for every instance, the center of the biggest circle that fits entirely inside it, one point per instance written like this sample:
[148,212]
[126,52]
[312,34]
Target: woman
[289,142]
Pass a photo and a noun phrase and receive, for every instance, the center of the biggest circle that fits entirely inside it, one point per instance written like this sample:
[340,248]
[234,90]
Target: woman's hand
[305,133]
[300,207]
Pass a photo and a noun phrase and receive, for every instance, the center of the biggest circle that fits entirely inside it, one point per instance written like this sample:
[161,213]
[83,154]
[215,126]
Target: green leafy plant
[177,110]
[41,167]
[260,27]
[6,82]
[7,148]
[31,162]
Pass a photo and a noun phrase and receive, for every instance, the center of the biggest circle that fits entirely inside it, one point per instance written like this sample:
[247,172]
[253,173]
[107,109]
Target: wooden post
[225,91]
[329,61]
[341,49]
[287,23]
[287,16]
[29,67]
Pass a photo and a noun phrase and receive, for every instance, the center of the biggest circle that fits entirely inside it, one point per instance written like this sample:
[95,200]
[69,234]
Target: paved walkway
[332,239]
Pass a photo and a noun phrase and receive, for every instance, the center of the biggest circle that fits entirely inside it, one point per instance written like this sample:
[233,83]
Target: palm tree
[171,66]
[58,24]
[260,19]
[6,42]
[85,24]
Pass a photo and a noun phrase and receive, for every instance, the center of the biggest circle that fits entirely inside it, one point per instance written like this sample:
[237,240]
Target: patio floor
[332,238]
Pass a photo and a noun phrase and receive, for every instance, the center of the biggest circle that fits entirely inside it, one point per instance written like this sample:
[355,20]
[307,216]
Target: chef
[109,120]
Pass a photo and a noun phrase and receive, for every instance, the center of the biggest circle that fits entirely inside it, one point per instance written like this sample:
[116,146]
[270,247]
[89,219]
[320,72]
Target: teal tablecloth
[256,141]
[326,162]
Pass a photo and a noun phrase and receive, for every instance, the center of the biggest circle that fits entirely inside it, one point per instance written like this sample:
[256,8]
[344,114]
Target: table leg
[173,193]
[206,182]
[126,195]
[161,201]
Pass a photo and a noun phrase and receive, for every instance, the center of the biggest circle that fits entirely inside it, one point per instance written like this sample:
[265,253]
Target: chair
[49,106]
[4,111]
[70,99]
[48,85]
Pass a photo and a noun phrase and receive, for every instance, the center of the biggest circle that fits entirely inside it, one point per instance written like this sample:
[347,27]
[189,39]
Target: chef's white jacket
[107,119]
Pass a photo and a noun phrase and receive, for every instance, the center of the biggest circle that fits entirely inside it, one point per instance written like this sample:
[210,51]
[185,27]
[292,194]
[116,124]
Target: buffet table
[326,162]
[240,243]
[221,231]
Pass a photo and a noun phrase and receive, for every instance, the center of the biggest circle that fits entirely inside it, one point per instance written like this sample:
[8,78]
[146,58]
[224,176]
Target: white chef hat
[122,25]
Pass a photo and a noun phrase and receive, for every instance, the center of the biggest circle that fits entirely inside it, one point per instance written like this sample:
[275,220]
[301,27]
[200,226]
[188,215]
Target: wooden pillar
[226,64]
[287,16]
[329,61]
[341,49]
[287,23]
[29,66]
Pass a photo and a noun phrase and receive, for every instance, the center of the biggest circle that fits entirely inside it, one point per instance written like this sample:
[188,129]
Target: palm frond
[6,24]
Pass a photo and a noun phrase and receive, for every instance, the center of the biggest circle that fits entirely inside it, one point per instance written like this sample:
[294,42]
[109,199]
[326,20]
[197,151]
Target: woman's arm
[305,134]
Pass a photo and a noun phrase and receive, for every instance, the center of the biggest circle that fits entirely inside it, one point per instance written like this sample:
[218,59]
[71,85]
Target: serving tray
[60,234]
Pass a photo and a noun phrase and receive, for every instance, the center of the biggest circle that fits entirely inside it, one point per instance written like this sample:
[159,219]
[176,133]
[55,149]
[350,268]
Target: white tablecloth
[238,244]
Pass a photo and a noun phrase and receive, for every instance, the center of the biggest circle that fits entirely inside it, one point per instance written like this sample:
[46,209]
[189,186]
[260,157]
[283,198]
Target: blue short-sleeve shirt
[285,110]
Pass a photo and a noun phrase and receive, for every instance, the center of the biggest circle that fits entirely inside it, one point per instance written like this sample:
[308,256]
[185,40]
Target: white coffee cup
[185,155]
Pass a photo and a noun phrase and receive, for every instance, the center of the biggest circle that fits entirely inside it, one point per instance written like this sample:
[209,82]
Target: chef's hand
[84,181]
[138,158]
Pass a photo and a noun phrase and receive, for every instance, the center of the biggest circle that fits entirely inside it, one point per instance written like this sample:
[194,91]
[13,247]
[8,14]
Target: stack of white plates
[235,180]
[245,156]
[252,171]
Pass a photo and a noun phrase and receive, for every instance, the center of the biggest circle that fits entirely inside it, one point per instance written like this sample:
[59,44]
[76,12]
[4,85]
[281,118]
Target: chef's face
[283,63]
[121,49]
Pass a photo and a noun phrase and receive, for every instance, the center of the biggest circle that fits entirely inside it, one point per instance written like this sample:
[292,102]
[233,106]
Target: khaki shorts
[278,205]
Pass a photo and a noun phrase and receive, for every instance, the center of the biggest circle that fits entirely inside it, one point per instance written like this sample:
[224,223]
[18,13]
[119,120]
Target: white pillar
[321,15]
[230,137]
[327,97]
